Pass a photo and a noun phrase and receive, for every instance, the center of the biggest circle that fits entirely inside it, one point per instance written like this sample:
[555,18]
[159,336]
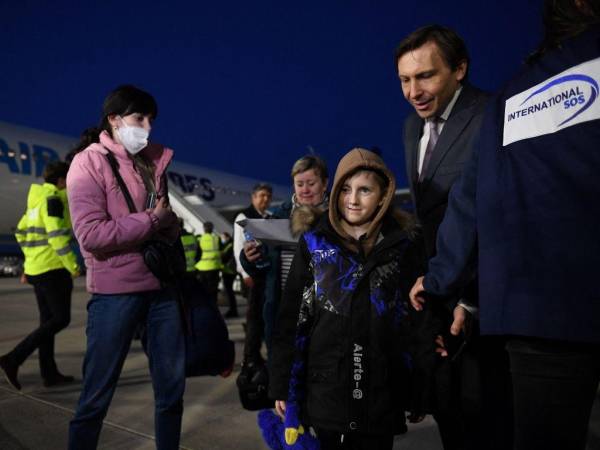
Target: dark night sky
[244,87]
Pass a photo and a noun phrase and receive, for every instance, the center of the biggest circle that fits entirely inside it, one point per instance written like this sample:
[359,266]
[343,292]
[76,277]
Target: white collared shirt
[440,126]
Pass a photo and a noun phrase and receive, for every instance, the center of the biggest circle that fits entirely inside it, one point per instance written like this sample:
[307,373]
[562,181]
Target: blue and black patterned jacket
[348,367]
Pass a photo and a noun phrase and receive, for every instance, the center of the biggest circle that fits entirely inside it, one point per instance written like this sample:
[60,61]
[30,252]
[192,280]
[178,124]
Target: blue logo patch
[561,101]
[570,98]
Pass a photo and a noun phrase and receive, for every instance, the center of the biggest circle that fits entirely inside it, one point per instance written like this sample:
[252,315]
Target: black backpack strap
[165,183]
[114,165]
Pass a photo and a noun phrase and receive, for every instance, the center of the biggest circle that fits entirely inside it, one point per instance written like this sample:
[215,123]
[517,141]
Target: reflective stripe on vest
[59,233]
[31,230]
[39,243]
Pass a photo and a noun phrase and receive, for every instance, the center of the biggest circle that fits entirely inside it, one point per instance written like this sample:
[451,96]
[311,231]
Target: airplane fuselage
[24,152]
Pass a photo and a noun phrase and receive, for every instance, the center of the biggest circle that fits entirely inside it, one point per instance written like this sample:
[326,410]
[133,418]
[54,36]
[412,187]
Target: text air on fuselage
[30,160]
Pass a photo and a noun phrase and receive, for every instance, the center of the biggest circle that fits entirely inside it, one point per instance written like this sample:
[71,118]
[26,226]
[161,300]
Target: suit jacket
[450,154]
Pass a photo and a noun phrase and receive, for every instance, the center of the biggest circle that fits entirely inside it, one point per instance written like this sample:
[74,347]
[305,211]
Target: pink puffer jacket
[108,234]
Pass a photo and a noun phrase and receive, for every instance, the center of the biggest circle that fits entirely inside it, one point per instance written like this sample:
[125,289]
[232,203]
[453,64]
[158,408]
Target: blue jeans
[112,322]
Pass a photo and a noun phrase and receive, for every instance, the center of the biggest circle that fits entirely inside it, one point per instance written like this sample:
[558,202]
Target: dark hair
[208,227]
[564,19]
[452,47]
[55,170]
[309,162]
[262,187]
[124,100]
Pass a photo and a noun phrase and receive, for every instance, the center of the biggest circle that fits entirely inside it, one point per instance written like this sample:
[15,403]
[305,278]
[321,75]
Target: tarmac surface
[38,417]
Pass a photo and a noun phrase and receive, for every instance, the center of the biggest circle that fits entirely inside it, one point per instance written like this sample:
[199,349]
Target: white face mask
[133,138]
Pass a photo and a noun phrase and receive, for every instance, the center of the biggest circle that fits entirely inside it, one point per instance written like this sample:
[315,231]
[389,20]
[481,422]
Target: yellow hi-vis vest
[44,232]
[211,254]
[190,248]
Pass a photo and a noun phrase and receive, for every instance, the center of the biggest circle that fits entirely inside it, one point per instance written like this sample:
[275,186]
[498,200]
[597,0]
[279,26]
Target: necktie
[433,138]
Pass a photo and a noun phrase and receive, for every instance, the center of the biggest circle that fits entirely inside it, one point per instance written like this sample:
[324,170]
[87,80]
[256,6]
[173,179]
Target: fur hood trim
[304,218]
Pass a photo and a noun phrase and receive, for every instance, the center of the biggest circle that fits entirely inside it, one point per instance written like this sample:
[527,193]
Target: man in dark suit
[432,66]
[438,136]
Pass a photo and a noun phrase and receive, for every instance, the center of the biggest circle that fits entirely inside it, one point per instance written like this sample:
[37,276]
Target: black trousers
[332,440]
[53,294]
[255,324]
[210,281]
[228,279]
[474,397]
[554,384]
[448,413]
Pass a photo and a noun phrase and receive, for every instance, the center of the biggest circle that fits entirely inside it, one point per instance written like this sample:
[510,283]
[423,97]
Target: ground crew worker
[190,248]
[44,234]
[189,284]
[210,264]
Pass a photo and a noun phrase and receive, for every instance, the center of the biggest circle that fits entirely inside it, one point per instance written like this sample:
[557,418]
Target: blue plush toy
[290,434]
[276,433]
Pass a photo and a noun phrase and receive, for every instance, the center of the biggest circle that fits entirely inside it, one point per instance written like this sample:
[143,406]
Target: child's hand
[280,408]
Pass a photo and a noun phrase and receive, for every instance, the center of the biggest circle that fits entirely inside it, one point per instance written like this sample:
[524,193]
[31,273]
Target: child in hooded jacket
[349,281]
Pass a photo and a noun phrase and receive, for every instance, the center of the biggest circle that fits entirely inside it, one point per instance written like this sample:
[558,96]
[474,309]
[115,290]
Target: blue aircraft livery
[191,184]
[32,159]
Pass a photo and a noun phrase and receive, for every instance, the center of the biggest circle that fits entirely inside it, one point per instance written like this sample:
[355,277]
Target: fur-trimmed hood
[357,159]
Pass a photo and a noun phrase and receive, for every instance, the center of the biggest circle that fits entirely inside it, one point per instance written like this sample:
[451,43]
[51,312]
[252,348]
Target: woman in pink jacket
[124,292]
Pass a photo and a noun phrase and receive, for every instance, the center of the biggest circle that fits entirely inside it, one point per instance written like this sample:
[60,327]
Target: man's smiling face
[428,83]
